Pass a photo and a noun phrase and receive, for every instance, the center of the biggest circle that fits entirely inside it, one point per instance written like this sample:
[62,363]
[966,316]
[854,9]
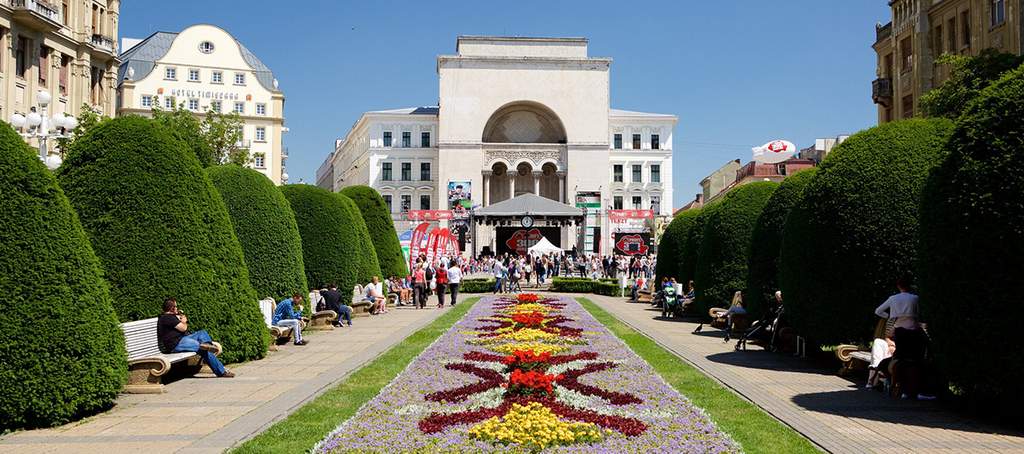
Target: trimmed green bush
[584,285]
[63,354]
[673,246]
[329,240]
[476,285]
[161,230]
[265,227]
[855,230]
[382,229]
[691,247]
[369,266]
[972,248]
[766,242]
[722,262]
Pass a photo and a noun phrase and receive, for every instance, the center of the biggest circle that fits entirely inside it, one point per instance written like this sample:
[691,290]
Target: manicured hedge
[673,246]
[766,242]
[584,285]
[161,230]
[972,249]
[381,227]
[691,247]
[369,266]
[476,285]
[855,231]
[328,236]
[62,356]
[265,227]
[722,262]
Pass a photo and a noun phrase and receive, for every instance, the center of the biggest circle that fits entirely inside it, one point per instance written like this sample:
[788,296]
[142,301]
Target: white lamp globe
[33,119]
[43,97]
[284,177]
[53,161]
[51,124]
[57,121]
[70,122]
[18,121]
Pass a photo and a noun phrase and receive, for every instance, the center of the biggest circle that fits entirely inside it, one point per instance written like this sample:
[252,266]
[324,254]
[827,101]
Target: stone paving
[835,413]
[207,415]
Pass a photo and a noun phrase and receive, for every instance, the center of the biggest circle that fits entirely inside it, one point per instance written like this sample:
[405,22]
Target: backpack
[429,273]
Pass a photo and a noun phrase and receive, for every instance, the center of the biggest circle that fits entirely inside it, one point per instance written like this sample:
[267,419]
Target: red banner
[523,239]
[435,215]
[631,244]
[416,244]
[622,215]
[432,240]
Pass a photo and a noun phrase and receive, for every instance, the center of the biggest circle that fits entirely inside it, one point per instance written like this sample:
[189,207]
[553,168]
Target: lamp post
[41,127]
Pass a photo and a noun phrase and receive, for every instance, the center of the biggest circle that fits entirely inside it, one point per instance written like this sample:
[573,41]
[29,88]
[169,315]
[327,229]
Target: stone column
[511,184]
[561,187]
[537,174]
[487,188]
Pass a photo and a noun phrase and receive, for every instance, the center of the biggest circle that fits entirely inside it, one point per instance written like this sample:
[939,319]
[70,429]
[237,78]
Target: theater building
[203,68]
[516,116]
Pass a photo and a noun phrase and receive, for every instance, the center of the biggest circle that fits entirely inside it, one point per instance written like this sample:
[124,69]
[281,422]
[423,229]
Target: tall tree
[214,139]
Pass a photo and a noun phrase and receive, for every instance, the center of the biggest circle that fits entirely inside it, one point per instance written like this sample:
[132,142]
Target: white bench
[267,307]
[146,365]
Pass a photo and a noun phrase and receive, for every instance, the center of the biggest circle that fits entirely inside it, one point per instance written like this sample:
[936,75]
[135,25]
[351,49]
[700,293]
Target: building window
[617,173]
[951,28]
[259,161]
[637,172]
[656,204]
[655,173]
[169,102]
[206,47]
[215,106]
[937,38]
[655,142]
[239,78]
[240,108]
[425,139]
[387,138]
[406,139]
[217,77]
[424,202]
[387,201]
[385,171]
[406,171]
[193,105]
[965,25]
[998,12]
[424,171]
[44,64]
[906,55]
[637,203]
[21,57]
[65,69]
[617,202]
[171,73]
[193,75]
[618,142]
[261,109]
[261,134]
[147,101]
[908,106]
[636,141]
[406,203]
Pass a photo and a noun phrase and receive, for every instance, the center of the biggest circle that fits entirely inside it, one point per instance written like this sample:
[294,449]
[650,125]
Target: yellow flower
[533,426]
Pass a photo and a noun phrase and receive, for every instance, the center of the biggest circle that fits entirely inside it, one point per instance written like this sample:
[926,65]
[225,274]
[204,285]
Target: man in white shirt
[454,278]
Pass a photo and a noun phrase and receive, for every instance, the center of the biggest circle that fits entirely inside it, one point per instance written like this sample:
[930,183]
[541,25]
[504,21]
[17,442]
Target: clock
[527,221]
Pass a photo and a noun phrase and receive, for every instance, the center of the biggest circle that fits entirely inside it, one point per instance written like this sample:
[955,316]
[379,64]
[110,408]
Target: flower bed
[528,374]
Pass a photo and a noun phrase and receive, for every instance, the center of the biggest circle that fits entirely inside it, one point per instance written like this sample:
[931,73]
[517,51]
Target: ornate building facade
[516,116]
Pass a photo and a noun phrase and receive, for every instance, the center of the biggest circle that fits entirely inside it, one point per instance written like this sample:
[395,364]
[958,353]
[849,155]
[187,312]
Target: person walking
[419,286]
[441,283]
[454,279]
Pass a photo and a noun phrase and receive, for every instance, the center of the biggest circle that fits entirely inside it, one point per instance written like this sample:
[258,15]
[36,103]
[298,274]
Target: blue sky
[736,73]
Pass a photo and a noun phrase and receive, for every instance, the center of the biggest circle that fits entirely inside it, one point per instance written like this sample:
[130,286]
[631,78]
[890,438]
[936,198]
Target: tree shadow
[756,358]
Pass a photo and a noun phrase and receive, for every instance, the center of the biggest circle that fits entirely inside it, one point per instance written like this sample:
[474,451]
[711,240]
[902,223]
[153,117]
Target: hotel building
[67,48]
[203,68]
[515,116]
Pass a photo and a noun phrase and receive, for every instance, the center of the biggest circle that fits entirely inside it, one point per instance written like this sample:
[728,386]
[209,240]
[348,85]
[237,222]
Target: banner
[416,243]
[632,243]
[434,215]
[774,151]
[516,240]
[624,215]
[432,244]
[460,197]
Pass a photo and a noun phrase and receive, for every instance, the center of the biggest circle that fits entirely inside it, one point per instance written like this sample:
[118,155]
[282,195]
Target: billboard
[460,196]
[632,243]
[516,240]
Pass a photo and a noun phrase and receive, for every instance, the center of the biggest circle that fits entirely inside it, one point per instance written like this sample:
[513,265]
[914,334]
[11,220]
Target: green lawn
[754,429]
[311,423]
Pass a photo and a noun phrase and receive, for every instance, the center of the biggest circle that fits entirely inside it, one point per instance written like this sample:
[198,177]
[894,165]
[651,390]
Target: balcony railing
[103,42]
[41,8]
[883,32]
[881,91]
[243,144]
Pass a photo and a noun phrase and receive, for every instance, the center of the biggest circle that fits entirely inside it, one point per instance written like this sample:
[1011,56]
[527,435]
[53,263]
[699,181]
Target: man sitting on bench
[289,315]
[171,329]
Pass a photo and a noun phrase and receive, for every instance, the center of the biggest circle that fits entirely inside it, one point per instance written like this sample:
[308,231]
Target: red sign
[523,239]
[632,245]
[416,244]
[435,215]
[622,215]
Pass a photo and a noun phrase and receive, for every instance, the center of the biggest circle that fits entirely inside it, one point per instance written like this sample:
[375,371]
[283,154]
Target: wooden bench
[360,307]
[645,295]
[740,322]
[856,358]
[146,365]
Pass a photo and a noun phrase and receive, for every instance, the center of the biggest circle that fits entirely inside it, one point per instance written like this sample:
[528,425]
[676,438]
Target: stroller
[768,324]
[669,302]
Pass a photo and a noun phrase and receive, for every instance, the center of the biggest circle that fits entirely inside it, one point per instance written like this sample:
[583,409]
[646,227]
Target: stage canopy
[544,247]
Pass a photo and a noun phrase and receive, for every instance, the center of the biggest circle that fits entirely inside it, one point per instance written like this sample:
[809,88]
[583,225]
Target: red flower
[530,320]
[531,382]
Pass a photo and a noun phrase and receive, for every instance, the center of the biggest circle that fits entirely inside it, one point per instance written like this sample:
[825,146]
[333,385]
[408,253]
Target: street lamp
[41,127]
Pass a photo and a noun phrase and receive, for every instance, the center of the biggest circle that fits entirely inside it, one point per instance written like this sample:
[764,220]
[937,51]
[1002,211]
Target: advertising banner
[624,215]
[517,240]
[632,243]
[460,197]
[419,235]
[430,215]
[432,239]
[774,151]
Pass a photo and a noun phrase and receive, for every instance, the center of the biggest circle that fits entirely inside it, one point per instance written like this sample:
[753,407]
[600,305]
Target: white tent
[543,247]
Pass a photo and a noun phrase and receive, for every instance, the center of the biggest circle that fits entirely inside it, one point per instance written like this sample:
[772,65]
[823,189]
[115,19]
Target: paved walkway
[208,415]
[833,412]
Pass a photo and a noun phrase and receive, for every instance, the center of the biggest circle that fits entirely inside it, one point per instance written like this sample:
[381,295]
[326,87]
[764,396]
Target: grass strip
[754,429]
[311,423]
